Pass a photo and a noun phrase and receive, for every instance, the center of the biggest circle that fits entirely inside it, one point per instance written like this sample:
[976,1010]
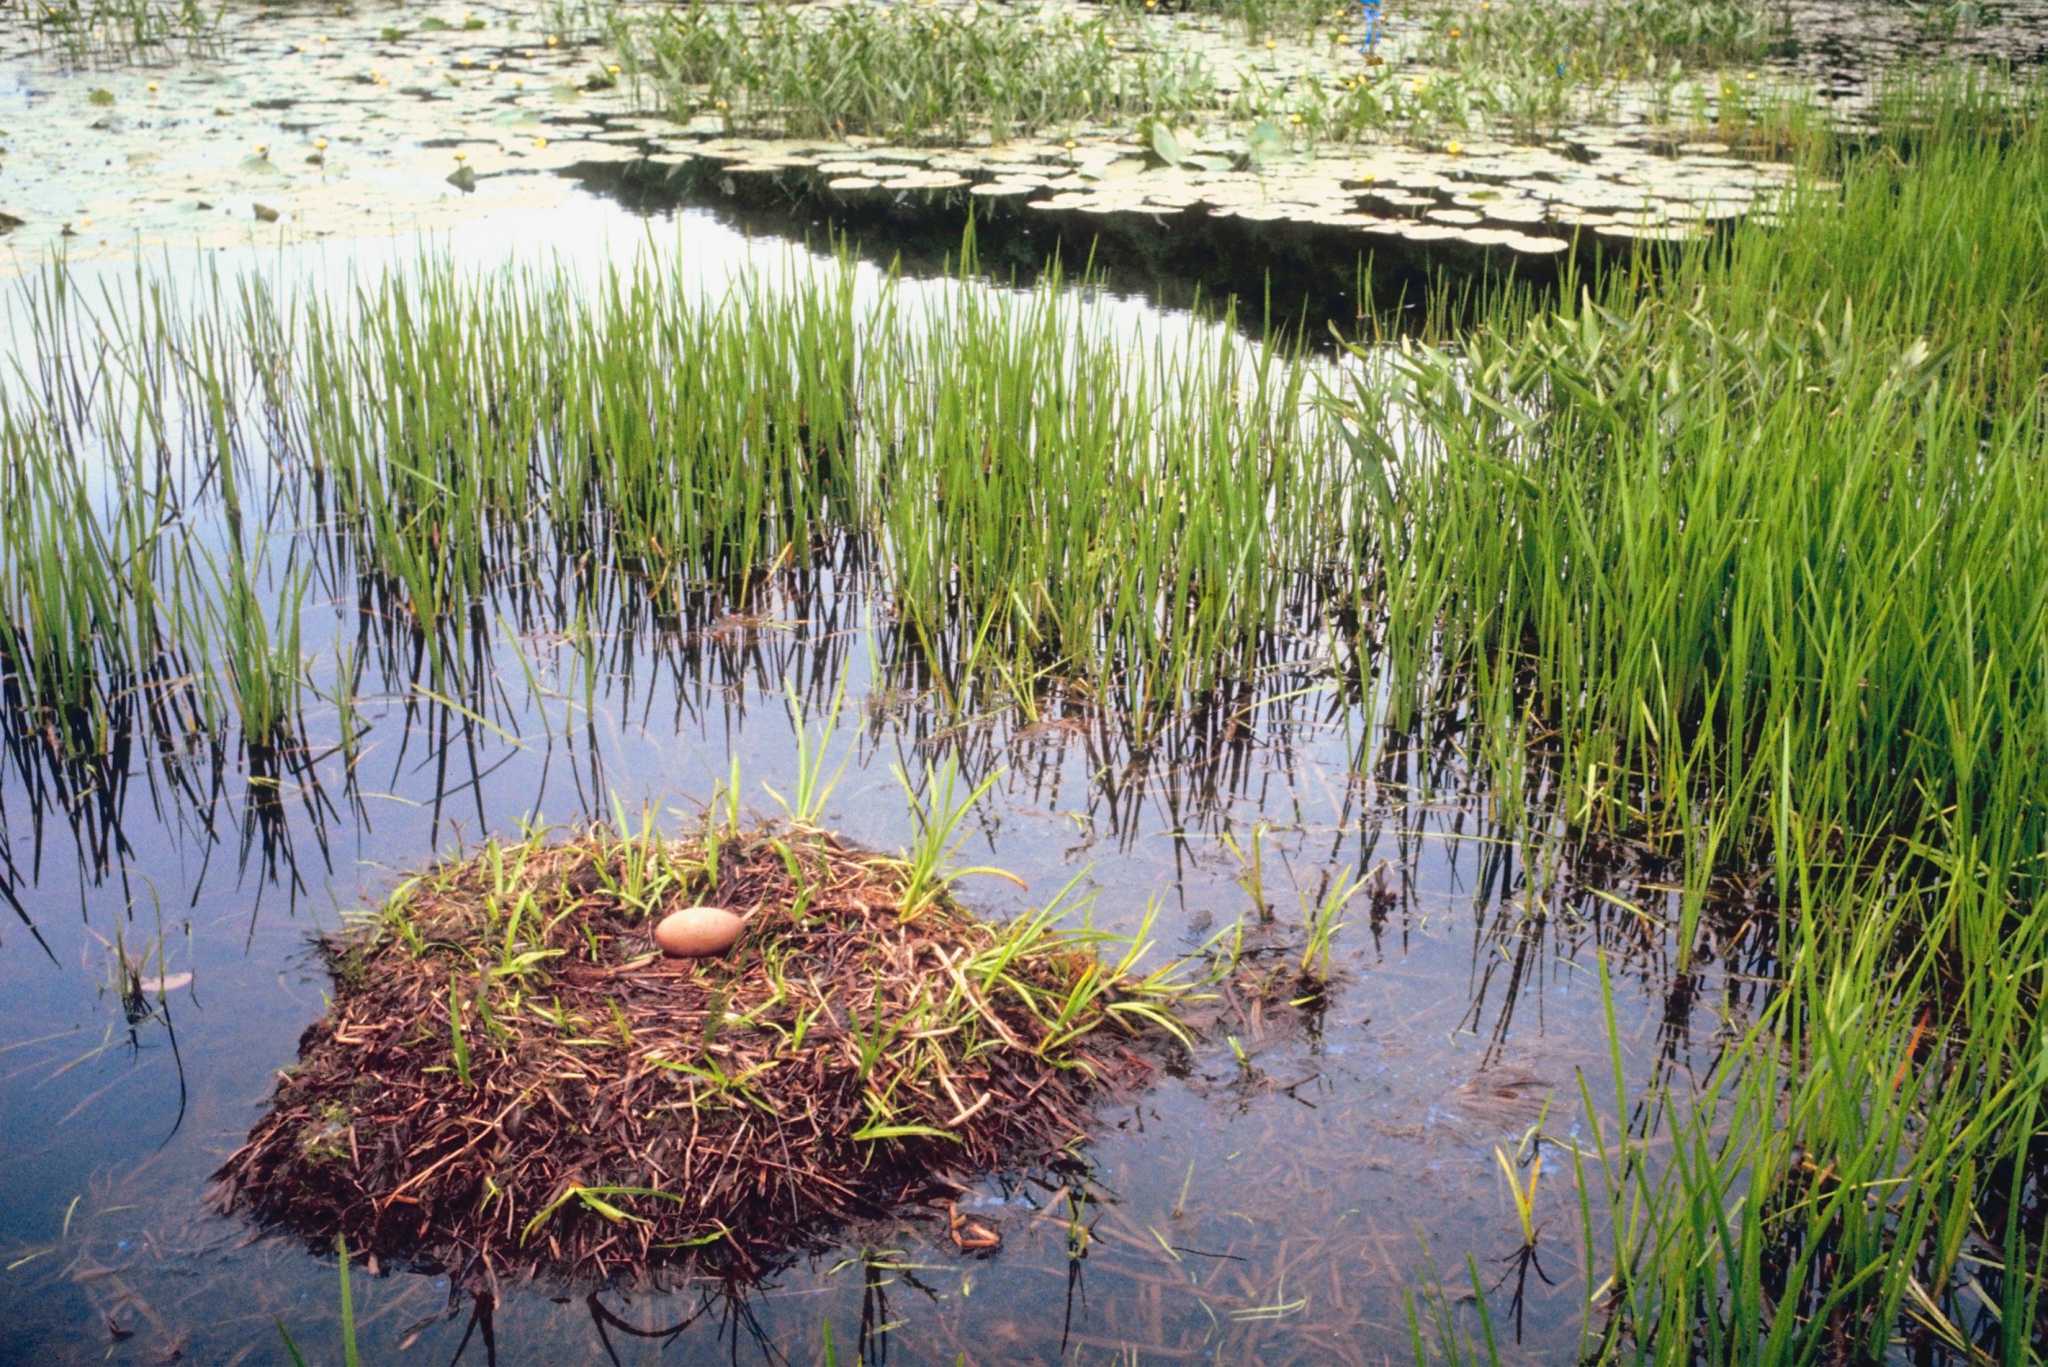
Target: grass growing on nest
[512,1080]
[1753,546]
[908,74]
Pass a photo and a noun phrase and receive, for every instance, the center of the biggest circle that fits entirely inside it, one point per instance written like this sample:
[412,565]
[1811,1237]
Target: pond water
[1279,1199]
[1319,1183]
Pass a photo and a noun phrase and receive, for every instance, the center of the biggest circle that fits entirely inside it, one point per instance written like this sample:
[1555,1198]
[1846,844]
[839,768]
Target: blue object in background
[1370,12]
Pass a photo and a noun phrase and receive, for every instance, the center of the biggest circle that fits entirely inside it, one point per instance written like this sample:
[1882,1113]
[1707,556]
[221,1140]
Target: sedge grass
[123,32]
[1751,542]
[1593,41]
[1044,502]
[909,74]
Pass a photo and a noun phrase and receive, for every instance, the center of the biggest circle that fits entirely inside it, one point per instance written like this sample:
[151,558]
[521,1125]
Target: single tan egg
[696,932]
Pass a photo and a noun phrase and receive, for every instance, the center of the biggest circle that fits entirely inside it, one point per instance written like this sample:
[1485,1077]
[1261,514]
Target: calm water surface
[1277,1208]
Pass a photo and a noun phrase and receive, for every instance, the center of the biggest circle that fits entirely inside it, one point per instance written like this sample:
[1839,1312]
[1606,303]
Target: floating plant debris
[513,1080]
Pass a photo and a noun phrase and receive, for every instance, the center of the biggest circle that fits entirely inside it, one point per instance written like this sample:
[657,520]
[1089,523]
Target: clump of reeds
[901,72]
[1750,541]
[1044,500]
[1595,41]
[119,32]
[512,1080]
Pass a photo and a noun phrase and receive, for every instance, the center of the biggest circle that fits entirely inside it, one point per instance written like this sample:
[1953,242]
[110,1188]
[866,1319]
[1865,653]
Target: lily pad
[1167,146]
[1265,144]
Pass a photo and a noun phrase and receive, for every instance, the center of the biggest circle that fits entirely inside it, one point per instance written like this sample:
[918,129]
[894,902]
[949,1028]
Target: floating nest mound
[513,1080]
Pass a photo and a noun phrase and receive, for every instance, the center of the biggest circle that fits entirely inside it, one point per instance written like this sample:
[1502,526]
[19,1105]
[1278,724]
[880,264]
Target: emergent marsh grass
[1750,547]
[119,32]
[1044,504]
[927,74]
[901,72]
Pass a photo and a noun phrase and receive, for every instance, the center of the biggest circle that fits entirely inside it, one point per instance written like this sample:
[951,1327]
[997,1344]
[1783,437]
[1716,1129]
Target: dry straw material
[512,1081]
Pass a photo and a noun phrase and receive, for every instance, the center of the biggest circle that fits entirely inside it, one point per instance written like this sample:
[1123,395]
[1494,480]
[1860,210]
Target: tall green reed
[903,73]
[1748,544]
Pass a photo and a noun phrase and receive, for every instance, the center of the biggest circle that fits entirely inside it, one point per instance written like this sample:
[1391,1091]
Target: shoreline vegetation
[956,75]
[1736,552]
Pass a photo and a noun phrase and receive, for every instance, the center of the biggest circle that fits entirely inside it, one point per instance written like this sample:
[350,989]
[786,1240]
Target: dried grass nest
[511,1080]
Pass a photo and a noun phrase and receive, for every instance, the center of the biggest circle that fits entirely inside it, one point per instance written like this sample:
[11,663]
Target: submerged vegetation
[513,1080]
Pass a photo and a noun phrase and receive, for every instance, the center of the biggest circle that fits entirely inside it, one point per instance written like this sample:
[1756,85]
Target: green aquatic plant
[900,72]
[124,32]
[936,809]
[1259,18]
[1596,41]
[813,786]
[1752,538]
